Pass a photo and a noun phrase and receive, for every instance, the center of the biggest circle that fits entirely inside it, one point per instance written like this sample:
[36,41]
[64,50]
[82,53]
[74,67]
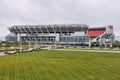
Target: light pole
[20,43]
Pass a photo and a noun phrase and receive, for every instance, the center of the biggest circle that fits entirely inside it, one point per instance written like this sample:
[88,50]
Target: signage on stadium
[109,29]
[33,34]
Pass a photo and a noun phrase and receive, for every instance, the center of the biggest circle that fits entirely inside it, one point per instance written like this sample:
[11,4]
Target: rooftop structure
[55,28]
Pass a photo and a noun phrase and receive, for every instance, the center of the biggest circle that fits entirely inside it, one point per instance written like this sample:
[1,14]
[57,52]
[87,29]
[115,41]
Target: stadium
[64,34]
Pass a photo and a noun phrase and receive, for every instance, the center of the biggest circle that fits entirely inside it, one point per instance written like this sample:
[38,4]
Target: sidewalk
[2,54]
[89,50]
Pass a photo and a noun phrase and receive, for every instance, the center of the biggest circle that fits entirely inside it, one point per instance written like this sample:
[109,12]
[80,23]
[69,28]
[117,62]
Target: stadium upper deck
[55,28]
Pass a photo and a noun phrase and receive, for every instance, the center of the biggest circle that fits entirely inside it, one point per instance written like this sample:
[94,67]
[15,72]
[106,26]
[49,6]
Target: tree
[116,44]
[16,44]
[7,44]
[0,45]
[25,43]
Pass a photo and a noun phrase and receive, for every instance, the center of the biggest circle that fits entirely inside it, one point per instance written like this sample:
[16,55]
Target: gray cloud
[91,12]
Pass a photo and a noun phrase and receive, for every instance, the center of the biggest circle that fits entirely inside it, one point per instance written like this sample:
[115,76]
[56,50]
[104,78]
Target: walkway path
[2,54]
[89,50]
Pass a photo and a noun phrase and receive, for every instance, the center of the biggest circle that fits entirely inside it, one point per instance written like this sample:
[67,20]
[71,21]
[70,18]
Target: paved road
[90,50]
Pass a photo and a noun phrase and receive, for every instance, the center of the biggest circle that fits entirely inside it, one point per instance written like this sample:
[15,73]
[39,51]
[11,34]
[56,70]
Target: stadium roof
[97,28]
[101,28]
[54,28]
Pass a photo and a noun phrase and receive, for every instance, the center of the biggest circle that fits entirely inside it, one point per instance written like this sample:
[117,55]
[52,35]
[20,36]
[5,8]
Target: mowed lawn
[60,65]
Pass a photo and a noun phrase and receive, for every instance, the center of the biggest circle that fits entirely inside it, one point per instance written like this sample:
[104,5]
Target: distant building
[11,38]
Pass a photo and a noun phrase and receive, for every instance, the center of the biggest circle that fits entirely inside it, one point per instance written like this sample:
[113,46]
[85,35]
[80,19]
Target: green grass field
[60,65]
[2,49]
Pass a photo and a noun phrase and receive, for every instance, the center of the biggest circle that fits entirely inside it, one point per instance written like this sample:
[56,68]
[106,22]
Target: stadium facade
[64,34]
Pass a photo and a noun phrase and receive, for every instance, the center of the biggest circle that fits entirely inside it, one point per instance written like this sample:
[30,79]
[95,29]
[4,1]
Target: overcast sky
[94,13]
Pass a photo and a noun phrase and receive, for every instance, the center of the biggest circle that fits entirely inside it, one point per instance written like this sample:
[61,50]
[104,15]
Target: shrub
[60,47]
